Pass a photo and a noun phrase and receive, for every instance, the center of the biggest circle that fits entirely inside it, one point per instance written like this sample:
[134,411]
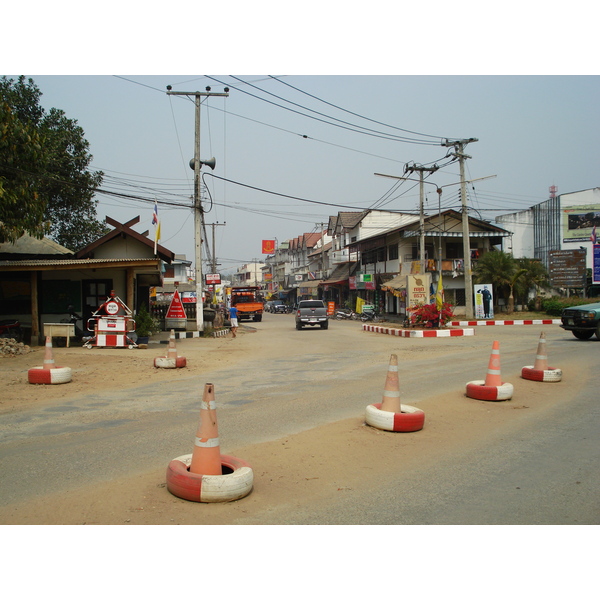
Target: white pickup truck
[312,312]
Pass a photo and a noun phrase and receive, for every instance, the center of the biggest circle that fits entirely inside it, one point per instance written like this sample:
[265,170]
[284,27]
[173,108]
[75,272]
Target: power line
[386,137]
[353,113]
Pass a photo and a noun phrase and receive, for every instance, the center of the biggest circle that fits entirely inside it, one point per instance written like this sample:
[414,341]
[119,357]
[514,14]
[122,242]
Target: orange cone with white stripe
[391,390]
[206,456]
[493,373]
[541,358]
[48,357]
[172,351]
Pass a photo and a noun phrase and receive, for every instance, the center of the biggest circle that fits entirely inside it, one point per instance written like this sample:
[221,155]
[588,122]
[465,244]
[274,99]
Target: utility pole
[459,146]
[196,164]
[214,256]
[411,169]
[321,225]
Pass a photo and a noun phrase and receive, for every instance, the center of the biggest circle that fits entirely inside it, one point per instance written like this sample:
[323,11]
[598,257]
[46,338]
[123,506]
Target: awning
[340,274]
[398,283]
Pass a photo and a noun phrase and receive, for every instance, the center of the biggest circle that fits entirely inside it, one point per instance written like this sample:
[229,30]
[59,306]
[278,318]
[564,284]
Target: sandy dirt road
[291,403]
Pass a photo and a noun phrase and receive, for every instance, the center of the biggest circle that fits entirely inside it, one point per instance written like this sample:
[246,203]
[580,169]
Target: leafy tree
[536,276]
[45,185]
[21,206]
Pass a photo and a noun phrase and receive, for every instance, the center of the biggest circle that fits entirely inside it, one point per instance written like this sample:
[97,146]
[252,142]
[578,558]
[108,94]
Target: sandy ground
[341,456]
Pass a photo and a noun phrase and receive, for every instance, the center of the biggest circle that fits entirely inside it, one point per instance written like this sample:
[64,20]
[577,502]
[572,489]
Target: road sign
[567,268]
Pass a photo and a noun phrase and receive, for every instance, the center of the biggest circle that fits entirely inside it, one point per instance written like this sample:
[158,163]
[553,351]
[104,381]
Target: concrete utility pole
[214,256]
[421,170]
[196,164]
[459,146]
[321,225]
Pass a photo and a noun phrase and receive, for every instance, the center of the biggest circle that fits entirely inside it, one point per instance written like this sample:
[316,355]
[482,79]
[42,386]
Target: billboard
[578,222]
[268,246]
[484,301]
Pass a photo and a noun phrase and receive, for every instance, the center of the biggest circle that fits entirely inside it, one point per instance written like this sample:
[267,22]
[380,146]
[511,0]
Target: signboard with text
[567,268]
[418,288]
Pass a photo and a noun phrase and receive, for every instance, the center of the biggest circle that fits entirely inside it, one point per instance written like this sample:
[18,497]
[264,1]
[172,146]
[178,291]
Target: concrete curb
[506,322]
[420,333]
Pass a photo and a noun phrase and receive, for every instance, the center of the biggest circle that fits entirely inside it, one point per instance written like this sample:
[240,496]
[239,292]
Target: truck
[248,302]
[582,321]
[312,312]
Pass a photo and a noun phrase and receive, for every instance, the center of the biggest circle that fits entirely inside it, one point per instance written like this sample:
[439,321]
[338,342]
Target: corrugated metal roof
[27,244]
[82,262]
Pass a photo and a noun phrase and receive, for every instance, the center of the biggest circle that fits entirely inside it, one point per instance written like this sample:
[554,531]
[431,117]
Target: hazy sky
[534,131]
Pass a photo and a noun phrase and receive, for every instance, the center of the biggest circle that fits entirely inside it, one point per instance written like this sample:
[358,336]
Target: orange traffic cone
[206,456]
[48,358]
[493,373]
[391,390]
[541,359]
[172,351]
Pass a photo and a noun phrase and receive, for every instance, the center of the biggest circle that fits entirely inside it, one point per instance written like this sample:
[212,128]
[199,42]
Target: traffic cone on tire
[492,377]
[206,456]
[172,360]
[48,357]
[172,350]
[391,390]
[541,358]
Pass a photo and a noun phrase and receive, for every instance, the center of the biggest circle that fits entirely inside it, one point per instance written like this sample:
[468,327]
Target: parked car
[582,321]
[312,312]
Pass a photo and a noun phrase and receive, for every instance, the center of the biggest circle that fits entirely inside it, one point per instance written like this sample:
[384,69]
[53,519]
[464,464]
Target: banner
[268,246]
[484,301]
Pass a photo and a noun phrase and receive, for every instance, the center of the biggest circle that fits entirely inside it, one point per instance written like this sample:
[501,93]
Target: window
[456,297]
[393,252]
[454,250]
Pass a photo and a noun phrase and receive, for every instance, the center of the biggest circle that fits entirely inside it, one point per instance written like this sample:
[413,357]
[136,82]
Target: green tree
[536,277]
[49,183]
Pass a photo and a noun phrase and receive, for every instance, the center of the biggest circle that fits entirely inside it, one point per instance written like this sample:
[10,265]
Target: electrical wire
[353,113]
[402,138]
[385,137]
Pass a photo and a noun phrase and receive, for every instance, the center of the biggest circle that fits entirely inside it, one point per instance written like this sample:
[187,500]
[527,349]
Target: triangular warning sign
[176,310]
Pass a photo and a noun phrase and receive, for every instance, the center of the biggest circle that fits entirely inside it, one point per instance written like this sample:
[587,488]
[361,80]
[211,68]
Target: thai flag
[593,236]
[156,222]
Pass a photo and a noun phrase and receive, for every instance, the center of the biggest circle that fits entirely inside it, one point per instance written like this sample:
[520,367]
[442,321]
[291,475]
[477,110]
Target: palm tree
[497,268]
[513,281]
[536,277]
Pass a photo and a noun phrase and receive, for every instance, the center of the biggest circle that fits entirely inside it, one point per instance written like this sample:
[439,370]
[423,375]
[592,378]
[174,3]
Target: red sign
[213,279]
[268,246]
[176,310]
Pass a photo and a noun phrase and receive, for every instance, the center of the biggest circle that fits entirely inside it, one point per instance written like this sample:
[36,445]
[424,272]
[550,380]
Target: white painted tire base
[409,419]
[39,375]
[210,488]
[548,375]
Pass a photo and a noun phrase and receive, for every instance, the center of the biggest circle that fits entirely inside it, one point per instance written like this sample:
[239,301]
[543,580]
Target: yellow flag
[439,294]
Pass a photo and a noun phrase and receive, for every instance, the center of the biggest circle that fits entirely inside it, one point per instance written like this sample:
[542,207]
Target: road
[531,460]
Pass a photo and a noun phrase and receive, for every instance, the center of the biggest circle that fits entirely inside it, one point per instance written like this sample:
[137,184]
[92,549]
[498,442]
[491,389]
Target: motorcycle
[80,336]
[345,313]
[11,328]
[370,315]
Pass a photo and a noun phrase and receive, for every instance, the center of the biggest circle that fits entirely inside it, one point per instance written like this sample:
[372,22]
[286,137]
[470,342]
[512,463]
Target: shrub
[555,305]
[426,315]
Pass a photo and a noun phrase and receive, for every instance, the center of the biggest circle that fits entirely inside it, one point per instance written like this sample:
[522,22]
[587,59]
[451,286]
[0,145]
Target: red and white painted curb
[418,333]
[506,322]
